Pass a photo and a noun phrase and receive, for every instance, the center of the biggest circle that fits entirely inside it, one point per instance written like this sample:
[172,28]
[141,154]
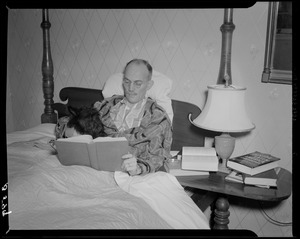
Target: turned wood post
[227,29]
[221,217]
[49,116]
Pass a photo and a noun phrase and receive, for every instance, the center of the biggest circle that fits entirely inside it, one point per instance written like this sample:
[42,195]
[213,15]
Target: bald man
[141,120]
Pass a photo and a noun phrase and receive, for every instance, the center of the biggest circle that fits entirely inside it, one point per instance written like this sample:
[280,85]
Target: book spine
[93,155]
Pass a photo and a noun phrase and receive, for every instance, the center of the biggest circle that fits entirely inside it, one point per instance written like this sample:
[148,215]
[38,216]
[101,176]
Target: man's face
[136,83]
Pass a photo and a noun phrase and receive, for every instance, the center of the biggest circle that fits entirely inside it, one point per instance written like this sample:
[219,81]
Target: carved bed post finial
[221,213]
[49,116]
[227,29]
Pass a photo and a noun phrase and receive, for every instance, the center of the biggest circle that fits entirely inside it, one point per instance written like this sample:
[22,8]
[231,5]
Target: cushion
[159,91]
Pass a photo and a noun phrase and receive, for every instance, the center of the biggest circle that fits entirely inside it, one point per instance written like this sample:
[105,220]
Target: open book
[199,158]
[102,153]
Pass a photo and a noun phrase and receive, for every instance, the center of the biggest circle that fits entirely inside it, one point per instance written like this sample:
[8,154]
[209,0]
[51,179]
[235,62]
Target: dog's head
[86,120]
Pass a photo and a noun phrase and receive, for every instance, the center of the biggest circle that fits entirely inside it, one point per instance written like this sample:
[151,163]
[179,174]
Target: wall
[185,44]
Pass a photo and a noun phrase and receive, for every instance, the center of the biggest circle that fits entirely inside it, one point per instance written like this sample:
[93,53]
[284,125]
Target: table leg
[221,217]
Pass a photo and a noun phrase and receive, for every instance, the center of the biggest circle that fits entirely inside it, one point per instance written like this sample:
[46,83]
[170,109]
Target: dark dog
[86,120]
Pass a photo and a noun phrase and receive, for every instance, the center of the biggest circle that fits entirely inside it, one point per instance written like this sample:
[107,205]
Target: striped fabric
[151,140]
[126,116]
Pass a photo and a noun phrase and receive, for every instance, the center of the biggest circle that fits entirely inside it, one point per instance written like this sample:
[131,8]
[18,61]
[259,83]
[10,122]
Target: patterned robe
[151,141]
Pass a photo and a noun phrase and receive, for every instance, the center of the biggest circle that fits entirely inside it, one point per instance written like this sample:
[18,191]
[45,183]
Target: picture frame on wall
[278,51]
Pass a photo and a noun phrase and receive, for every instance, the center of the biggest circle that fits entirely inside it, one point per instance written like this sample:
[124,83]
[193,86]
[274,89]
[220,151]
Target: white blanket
[166,196]
[43,194]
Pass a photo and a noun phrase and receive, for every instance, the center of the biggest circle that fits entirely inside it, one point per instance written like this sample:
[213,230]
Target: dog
[85,120]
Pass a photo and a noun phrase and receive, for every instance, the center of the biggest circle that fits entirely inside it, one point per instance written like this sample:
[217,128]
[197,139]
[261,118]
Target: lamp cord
[284,224]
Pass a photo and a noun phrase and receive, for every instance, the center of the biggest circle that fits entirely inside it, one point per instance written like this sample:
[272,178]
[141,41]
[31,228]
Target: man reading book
[148,130]
[141,120]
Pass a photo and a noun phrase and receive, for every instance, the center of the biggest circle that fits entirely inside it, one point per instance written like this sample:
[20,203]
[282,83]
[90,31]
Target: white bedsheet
[43,194]
[166,196]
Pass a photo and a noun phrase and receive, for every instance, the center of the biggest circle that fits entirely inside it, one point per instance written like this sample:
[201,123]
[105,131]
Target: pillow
[159,91]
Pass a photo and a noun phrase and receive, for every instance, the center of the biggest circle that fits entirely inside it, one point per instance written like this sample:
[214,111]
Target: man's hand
[130,165]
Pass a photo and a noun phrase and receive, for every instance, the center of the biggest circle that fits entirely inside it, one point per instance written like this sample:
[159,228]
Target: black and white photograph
[150,119]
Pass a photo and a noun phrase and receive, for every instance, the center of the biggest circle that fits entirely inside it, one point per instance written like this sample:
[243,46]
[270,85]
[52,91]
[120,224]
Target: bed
[45,195]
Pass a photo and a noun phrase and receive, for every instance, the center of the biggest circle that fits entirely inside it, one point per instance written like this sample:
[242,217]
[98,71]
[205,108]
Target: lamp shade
[224,110]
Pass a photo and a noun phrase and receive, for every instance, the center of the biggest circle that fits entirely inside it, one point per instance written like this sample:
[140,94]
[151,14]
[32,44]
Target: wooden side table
[215,182]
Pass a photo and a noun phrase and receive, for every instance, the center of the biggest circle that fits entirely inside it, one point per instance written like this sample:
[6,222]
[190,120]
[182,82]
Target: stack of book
[194,161]
[257,169]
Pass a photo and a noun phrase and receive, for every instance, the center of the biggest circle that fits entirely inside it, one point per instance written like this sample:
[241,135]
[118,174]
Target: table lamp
[224,112]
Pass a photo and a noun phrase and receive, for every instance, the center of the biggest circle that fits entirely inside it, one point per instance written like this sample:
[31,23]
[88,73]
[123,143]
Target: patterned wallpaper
[88,45]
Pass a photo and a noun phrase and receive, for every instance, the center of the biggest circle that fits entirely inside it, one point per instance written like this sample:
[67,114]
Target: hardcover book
[176,170]
[102,153]
[199,158]
[253,163]
[235,176]
[267,178]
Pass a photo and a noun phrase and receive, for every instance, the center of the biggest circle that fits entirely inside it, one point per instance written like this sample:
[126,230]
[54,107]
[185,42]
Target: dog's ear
[73,111]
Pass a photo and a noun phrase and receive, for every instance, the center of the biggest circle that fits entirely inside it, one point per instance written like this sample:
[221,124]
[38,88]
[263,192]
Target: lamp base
[222,167]
[224,145]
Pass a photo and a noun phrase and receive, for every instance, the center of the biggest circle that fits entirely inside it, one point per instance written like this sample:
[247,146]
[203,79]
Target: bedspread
[43,194]
[166,196]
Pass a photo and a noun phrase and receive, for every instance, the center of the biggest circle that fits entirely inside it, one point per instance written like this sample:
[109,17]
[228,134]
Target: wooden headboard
[184,133]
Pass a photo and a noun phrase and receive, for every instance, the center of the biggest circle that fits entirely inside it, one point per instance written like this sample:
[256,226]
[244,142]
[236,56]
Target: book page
[85,138]
[73,153]
[175,169]
[109,139]
[205,151]
[196,162]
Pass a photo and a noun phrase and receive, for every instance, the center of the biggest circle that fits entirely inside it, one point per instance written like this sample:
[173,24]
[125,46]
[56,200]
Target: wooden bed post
[225,65]
[222,213]
[49,116]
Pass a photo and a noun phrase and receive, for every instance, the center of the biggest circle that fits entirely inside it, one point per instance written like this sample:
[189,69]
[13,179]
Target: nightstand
[216,184]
